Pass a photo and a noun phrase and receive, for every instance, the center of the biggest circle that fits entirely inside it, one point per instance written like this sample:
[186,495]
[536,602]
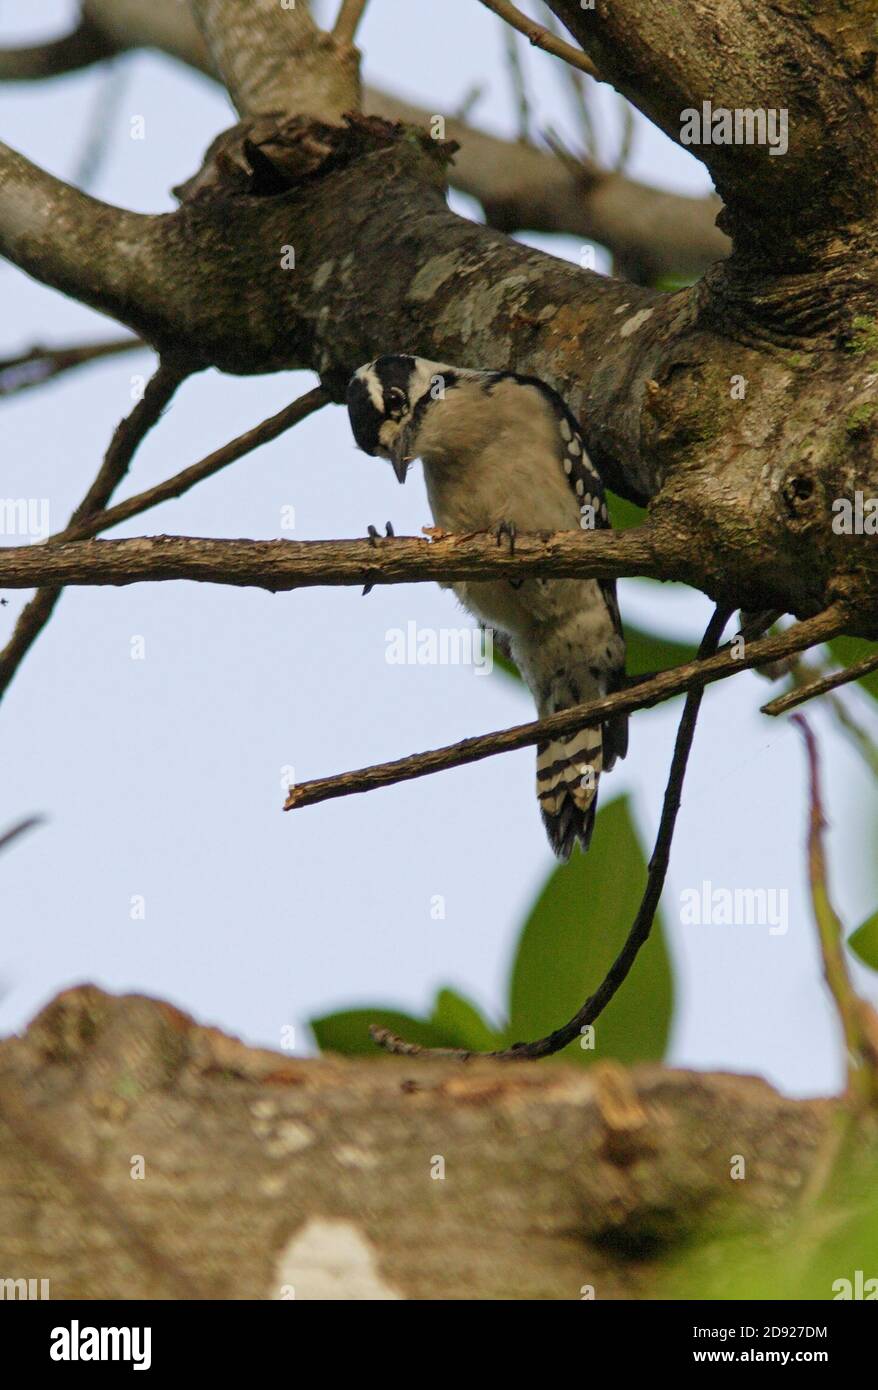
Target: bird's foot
[374,537]
[507,529]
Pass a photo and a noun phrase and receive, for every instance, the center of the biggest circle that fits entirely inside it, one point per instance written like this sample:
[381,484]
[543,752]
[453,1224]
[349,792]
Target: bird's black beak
[399,456]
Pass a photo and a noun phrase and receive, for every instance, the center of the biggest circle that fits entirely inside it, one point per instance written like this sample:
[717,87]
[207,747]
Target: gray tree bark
[739,409]
[789,317]
[144,1156]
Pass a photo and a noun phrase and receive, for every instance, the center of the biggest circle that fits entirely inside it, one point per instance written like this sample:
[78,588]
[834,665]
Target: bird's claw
[508,529]
[374,536]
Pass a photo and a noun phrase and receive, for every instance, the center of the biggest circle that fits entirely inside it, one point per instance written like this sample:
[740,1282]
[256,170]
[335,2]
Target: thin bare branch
[642,925]
[349,15]
[84,45]
[101,124]
[196,473]
[576,86]
[788,701]
[20,828]
[862,1064]
[37,613]
[518,82]
[541,37]
[41,364]
[123,446]
[282,565]
[643,695]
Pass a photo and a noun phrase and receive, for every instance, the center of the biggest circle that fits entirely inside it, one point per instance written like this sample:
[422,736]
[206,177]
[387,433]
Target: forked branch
[640,929]
[694,674]
[123,446]
[813,689]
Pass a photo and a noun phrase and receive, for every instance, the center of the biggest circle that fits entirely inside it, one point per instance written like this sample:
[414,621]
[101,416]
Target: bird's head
[388,401]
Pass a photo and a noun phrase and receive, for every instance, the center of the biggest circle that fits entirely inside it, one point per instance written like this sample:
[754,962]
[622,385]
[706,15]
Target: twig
[29,823]
[101,124]
[782,703]
[84,45]
[861,1062]
[470,99]
[39,610]
[639,933]
[123,446]
[643,695]
[187,478]
[864,744]
[541,37]
[578,94]
[41,364]
[519,85]
[629,130]
[349,15]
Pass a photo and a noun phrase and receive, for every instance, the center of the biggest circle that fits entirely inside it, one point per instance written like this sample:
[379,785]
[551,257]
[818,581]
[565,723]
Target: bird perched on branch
[501,453]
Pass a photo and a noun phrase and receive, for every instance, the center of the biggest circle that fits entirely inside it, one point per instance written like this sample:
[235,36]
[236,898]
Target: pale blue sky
[162,777]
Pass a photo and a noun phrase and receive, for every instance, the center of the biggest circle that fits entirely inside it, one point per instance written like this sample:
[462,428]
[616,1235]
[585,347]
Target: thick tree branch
[692,675]
[84,45]
[649,232]
[165,25]
[321,1167]
[670,58]
[274,59]
[100,255]
[715,402]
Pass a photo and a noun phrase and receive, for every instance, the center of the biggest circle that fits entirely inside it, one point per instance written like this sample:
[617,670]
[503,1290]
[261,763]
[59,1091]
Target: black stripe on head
[394,369]
[365,418]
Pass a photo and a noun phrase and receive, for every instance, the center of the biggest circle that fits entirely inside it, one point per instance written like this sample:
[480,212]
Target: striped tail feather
[568,770]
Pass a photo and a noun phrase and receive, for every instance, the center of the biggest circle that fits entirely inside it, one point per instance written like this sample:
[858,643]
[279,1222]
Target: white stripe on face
[373,386]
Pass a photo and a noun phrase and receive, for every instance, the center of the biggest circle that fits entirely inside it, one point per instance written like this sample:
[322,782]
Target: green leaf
[348,1032]
[864,942]
[646,651]
[461,1024]
[847,650]
[573,934]
[502,663]
[624,514]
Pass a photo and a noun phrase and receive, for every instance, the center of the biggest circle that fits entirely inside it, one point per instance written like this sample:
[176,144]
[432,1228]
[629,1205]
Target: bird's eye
[395,401]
